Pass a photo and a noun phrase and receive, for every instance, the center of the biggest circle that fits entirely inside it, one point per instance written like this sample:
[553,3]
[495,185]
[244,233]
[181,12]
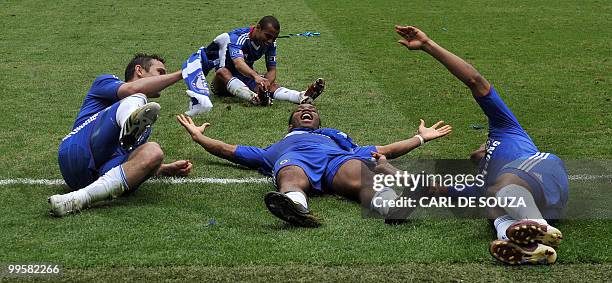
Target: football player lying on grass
[310,159]
[512,165]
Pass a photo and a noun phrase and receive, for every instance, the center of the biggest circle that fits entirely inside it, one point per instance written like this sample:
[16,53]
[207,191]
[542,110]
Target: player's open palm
[190,126]
[413,38]
[435,131]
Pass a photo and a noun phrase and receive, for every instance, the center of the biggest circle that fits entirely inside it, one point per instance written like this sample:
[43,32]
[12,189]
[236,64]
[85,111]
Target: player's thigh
[354,181]
[290,178]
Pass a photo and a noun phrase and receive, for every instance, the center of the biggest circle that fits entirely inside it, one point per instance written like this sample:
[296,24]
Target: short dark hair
[142,59]
[269,20]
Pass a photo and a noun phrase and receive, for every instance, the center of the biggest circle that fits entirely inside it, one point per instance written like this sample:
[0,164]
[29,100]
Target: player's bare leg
[289,203]
[354,180]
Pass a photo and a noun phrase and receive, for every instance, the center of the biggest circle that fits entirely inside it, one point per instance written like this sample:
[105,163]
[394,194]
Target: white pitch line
[250,180]
[59,182]
[581,177]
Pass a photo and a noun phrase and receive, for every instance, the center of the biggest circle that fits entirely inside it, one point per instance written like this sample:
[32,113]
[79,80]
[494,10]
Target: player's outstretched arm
[415,39]
[423,135]
[213,146]
[150,86]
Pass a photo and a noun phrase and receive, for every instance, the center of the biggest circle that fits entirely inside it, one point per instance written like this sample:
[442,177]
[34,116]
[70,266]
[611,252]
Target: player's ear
[138,71]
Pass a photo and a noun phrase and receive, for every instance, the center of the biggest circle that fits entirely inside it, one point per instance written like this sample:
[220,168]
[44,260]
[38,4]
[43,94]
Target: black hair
[142,59]
[269,20]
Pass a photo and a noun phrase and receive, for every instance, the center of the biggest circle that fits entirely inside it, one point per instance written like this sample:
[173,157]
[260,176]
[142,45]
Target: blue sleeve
[501,119]
[271,56]
[250,156]
[234,47]
[105,87]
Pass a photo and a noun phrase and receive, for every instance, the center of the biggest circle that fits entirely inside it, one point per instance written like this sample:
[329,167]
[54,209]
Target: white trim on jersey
[242,38]
[532,161]
[222,41]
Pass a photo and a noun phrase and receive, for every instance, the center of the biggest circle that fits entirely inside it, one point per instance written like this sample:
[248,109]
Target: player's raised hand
[413,38]
[435,131]
[190,126]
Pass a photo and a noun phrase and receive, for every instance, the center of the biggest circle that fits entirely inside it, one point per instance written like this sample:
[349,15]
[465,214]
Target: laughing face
[305,116]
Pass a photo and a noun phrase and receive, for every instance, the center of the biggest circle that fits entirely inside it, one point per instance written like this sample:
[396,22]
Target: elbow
[475,81]
[478,85]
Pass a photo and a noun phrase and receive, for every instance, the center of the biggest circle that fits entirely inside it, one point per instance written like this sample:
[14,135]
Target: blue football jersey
[237,44]
[507,141]
[102,94]
[306,142]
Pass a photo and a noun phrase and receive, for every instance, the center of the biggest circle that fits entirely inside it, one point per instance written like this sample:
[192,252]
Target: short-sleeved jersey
[306,142]
[237,44]
[507,141]
[102,94]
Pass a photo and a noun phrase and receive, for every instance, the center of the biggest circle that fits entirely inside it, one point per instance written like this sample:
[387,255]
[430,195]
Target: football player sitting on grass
[107,153]
[233,54]
[310,159]
[512,165]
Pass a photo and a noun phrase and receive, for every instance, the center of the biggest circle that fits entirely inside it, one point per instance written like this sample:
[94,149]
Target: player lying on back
[233,55]
[310,159]
[512,165]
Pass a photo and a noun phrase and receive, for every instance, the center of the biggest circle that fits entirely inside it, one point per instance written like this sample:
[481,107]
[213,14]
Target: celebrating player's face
[266,35]
[306,116]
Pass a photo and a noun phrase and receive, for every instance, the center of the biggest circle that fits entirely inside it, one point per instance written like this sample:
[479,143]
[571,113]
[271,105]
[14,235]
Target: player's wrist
[428,45]
[421,139]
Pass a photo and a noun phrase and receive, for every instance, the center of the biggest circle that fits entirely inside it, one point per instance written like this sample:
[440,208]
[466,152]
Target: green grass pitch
[549,60]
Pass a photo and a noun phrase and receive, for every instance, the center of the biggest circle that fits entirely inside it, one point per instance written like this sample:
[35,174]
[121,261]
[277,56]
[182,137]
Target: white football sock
[110,185]
[501,225]
[288,95]
[386,194]
[237,88]
[298,197]
[127,106]
[530,211]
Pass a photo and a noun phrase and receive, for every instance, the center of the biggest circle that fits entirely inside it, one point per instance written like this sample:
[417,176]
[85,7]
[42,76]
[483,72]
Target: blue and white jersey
[507,141]
[102,94]
[236,44]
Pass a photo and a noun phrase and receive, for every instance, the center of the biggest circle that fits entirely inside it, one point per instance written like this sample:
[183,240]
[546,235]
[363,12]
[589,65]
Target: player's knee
[292,177]
[153,155]
[224,74]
